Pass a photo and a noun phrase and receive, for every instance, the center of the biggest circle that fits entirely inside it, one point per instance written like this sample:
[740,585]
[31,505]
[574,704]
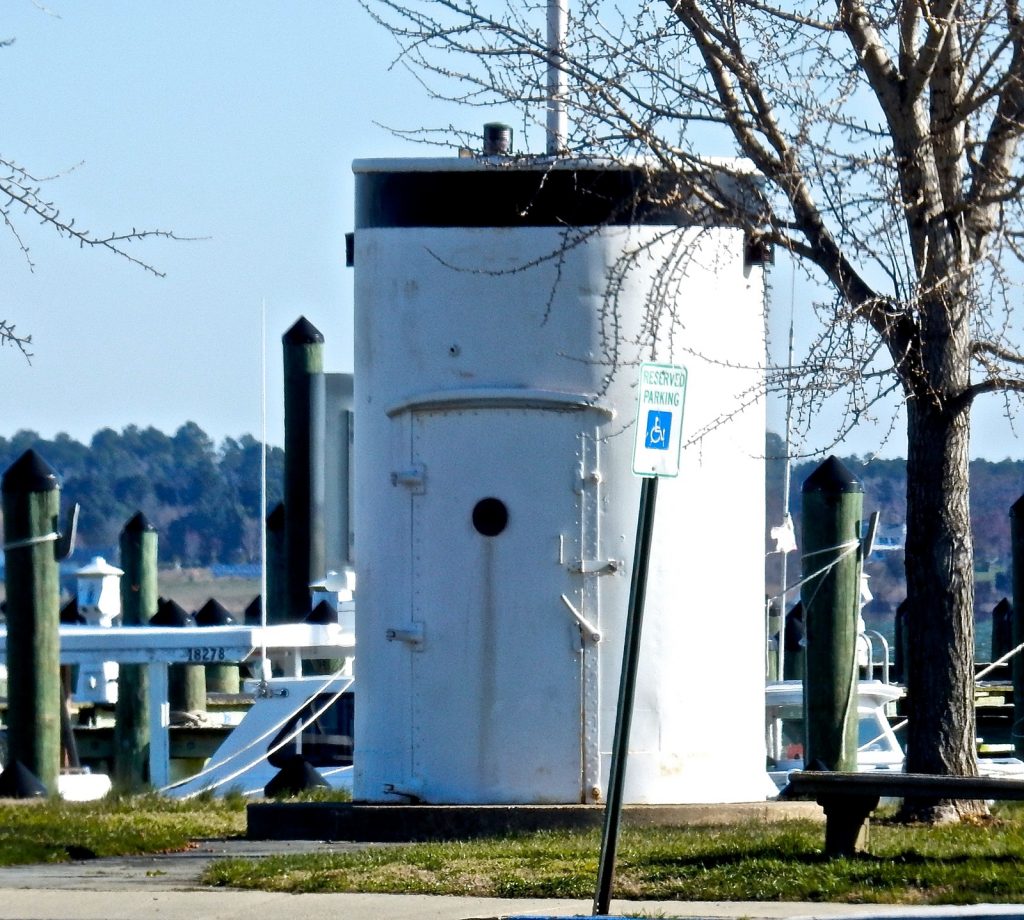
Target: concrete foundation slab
[402,823]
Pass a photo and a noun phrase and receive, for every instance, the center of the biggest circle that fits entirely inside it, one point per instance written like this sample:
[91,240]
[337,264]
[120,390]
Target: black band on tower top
[519,197]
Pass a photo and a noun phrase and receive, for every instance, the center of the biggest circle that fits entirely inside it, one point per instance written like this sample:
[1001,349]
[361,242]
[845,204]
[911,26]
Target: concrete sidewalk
[167,886]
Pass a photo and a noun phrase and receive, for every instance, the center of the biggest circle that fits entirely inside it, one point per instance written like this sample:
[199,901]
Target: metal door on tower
[496,684]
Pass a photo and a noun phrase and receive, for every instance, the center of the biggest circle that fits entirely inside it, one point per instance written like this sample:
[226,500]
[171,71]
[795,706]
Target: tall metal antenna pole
[557,121]
[264,600]
[781,650]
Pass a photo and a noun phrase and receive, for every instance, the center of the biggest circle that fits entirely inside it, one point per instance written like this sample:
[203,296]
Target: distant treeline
[203,499]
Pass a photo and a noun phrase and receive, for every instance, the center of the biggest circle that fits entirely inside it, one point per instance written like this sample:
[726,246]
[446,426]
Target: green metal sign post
[655,454]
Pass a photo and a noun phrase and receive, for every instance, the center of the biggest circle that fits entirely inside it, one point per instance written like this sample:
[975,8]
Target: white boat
[74,784]
[311,716]
[82,785]
[878,747]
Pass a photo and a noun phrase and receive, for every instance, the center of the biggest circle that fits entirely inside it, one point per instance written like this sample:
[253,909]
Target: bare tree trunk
[940,591]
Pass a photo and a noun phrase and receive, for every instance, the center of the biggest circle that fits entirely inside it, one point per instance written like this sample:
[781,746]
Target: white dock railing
[157,647]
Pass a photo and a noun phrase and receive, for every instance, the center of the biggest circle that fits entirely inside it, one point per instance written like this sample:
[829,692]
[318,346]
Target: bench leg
[847,823]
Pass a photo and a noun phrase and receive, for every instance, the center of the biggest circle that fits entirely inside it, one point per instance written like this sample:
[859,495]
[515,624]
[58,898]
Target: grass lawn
[38,831]
[963,864]
[774,862]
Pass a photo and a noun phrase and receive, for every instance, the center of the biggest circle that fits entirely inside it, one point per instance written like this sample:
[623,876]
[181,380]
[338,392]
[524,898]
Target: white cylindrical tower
[501,310]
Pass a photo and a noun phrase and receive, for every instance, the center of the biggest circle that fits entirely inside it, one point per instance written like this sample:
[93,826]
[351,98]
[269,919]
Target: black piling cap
[1017,508]
[29,473]
[832,477]
[297,775]
[302,333]
[275,520]
[139,524]
[170,613]
[214,613]
[322,613]
[1003,609]
[70,614]
[254,612]
[19,782]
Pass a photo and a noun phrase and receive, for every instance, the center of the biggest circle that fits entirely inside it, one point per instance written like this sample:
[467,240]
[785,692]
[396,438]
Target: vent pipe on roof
[497,140]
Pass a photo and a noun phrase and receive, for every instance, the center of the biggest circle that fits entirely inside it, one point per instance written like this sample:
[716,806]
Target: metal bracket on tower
[413,478]
[588,631]
[595,566]
[411,634]
[412,789]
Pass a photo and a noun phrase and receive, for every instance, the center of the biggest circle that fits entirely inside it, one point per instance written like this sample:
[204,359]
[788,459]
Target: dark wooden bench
[849,798]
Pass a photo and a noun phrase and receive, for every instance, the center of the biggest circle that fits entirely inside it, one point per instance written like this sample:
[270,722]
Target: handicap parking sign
[659,420]
[659,426]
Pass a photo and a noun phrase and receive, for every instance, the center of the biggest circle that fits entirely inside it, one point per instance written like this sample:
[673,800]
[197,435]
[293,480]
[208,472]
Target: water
[885,623]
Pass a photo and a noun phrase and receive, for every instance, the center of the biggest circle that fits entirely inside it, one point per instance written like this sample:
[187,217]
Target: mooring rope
[51,537]
[845,549]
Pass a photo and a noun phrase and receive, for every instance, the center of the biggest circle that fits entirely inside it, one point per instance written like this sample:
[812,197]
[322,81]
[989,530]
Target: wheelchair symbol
[659,427]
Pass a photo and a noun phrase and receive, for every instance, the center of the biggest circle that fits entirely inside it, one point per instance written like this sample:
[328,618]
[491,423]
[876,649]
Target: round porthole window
[490,516]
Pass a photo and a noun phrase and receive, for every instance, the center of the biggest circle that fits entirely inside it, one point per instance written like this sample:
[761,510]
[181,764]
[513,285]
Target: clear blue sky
[234,120]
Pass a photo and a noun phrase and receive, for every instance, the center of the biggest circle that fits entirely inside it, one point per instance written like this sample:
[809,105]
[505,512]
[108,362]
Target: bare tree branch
[22,199]
[887,139]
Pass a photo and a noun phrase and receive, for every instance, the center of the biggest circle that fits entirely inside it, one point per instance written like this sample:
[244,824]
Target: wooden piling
[139,599]
[304,415]
[186,683]
[277,568]
[832,512]
[220,678]
[1017,565]
[901,640]
[793,636]
[31,504]
[1002,630]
